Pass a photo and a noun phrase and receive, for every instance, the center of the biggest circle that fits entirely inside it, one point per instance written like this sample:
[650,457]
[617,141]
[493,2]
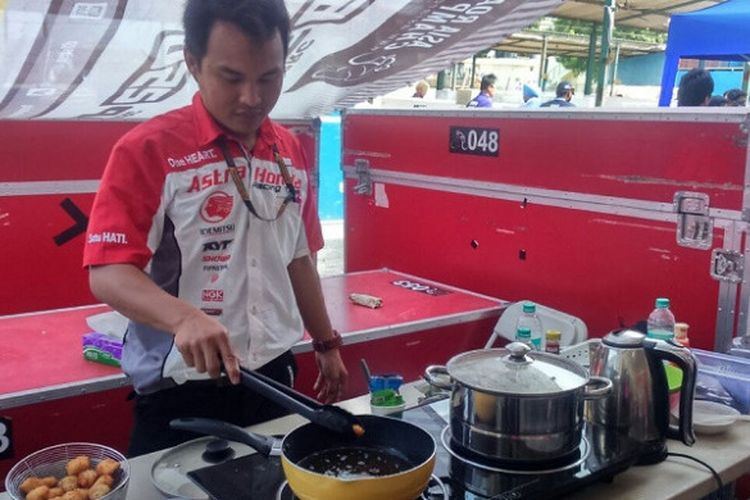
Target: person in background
[486,92]
[696,87]
[206,252]
[531,97]
[717,101]
[736,97]
[564,92]
[421,89]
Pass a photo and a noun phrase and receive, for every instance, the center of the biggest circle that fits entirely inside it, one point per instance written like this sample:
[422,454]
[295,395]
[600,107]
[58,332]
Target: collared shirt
[168,205]
[558,102]
[483,100]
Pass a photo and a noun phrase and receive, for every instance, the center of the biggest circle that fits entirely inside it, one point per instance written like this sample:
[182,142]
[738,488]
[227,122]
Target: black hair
[717,100]
[563,88]
[695,86]
[258,19]
[487,80]
[735,97]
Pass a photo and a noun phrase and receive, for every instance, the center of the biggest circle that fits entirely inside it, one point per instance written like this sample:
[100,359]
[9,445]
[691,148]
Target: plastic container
[523,334]
[723,376]
[552,341]
[660,324]
[681,334]
[529,319]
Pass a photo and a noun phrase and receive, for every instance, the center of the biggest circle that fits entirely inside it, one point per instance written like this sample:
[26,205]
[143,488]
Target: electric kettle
[639,402]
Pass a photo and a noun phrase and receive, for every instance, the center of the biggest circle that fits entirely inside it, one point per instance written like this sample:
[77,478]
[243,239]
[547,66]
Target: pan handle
[264,445]
[435,375]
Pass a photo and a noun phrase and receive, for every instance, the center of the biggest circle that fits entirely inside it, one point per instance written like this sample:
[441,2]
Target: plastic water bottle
[529,319]
[523,334]
[660,324]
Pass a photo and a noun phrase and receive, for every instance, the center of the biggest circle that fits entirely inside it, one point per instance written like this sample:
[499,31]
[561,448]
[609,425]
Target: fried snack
[55,492]
[68,483]
[87,478]
[107,466]
[98,491]
[38,493]
[50,481]
[105,479]
[74,495]
[30,483]
[77,465]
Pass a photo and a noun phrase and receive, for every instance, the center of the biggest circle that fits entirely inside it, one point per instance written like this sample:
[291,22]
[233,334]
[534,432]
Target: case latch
[364,179]
[727,265]
[695,229]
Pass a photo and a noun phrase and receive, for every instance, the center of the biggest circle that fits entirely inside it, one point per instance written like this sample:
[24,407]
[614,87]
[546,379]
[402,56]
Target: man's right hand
[204,345]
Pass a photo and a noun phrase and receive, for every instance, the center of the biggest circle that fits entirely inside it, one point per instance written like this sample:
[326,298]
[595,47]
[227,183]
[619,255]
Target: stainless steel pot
[513,404]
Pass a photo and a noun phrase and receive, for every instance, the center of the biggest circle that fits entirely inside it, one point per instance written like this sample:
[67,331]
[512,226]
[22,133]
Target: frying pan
[389,437]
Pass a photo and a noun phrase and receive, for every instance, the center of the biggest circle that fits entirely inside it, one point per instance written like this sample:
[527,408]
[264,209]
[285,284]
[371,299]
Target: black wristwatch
[326,345]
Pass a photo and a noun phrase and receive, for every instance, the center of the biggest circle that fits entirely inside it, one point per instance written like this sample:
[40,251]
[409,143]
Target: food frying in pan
[354,463]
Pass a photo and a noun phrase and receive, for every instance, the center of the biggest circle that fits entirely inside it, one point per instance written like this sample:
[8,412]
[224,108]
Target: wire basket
[51,462]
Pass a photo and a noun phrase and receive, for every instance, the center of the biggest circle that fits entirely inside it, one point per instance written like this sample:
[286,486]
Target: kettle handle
[684,359]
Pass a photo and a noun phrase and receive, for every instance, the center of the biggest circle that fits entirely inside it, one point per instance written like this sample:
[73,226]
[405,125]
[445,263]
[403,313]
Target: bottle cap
[553,335]
[662,302]
[523,333]
[529,307]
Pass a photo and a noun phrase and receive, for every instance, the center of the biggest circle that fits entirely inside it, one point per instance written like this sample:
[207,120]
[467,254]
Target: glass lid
[516,369]
[169,472]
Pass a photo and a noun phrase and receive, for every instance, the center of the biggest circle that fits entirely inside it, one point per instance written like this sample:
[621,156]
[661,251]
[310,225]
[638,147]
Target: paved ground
[331,257]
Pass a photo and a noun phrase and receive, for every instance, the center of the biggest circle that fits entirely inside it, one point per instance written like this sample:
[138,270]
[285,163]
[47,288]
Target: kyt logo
[215,246]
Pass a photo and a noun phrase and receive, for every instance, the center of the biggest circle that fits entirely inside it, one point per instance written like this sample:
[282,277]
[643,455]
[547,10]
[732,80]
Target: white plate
[712,418]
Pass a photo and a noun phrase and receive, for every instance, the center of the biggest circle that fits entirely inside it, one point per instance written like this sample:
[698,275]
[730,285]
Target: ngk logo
[212,296]
[215,246]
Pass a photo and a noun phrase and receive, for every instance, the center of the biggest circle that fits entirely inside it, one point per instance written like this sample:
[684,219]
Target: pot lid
[516,370]
[624,338]
[169,472]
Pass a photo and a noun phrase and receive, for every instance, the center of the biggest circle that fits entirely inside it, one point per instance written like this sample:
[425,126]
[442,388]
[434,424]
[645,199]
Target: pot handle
[433,375]
[211,427]
[603,386]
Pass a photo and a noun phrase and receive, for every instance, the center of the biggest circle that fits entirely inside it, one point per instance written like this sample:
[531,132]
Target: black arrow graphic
[80,219]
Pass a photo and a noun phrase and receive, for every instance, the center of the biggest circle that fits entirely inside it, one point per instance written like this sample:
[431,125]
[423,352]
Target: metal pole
[614,71]
[473,70]
[543,65]
[590,62]
[454,69]
[745,76]
[608,23]
[441,80]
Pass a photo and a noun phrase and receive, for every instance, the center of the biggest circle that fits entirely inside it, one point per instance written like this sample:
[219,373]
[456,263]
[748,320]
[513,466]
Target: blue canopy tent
[721,32]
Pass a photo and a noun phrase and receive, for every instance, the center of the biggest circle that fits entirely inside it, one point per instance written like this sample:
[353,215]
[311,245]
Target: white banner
[122,59]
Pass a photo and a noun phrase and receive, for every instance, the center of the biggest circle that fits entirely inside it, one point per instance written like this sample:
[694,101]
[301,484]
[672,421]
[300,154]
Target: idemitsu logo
[217,207]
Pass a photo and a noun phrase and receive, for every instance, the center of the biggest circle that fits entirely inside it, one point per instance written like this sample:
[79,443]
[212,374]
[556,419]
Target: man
[696,87]
[531,97]
[196,235]
[735,97]
[486,91]
[564,92]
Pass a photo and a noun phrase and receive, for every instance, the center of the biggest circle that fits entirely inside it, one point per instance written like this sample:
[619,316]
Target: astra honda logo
[214,178]
[212,295]
[217,207]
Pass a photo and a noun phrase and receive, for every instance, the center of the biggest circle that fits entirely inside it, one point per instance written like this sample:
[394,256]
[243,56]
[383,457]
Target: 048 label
[475,141]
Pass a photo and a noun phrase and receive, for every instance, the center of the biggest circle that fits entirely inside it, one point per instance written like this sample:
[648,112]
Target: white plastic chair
[572,330]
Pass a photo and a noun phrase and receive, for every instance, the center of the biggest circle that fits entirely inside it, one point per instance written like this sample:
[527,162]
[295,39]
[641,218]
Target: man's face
[240,79]
[569,94]
[491,90]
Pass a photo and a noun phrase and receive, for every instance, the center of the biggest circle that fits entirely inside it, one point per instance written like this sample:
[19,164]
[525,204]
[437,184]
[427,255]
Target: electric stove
[601,455]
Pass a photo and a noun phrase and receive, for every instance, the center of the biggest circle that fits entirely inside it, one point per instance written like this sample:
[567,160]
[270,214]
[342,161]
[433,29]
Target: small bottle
[529,319]
[552,341]
[660,324]
[523,334]
[681,334]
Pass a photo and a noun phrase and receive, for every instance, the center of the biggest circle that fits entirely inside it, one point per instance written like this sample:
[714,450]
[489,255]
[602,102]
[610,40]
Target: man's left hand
[332,376]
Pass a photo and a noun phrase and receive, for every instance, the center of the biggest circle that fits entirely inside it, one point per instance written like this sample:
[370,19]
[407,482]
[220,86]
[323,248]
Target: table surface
[675,478]
[46,346]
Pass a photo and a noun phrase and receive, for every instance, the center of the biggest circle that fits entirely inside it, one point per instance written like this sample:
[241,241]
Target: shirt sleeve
[124,210]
